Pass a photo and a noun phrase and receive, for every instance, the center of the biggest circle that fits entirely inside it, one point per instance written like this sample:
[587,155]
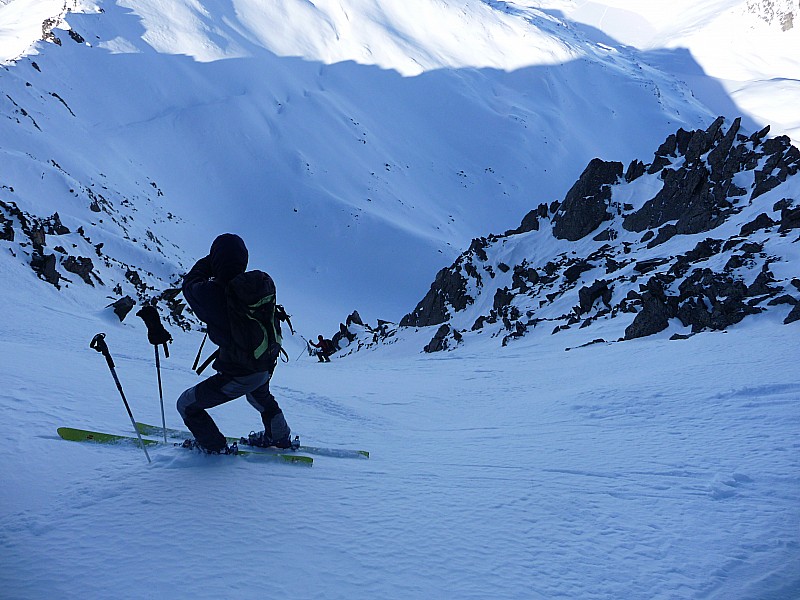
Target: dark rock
[644,266]
[54,226]
[751,248]
[503,267]
[37,237]
[762,221]
[612,265]
[784,299]
[666,233]
[719,153]
[649,235]
[502,298]
[448,289]
[81,266]
[653,317]
[686,198]
[695,196]
[479,323]
[478,246]
[606,235]
[588,295]
[440,339]
[703,250]
[736,261]
[783,160]
[122,307]
[6,229]
[665,152]
[719,291]
[794,315]
[354,318]
[586,204]
[790,218]
[781,204]
[524,277]
[44,265]
[761,287]
[635,170]
[530,222]
[573,273]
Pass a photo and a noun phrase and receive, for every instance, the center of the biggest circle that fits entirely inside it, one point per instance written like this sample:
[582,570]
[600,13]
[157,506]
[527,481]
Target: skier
[207,288]
[324,349]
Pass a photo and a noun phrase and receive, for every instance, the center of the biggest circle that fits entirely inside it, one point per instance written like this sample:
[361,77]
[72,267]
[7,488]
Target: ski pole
[307,347]
[161,395]
[199,352]
[156,334]
[99,343]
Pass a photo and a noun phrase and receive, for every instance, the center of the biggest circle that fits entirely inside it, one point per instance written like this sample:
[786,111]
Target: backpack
[255,326]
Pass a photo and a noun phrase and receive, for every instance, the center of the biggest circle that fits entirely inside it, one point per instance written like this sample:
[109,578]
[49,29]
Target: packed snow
[650,469]
[357,147]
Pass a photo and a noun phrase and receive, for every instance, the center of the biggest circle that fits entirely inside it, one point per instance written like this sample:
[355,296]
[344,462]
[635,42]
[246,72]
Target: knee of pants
[185,402]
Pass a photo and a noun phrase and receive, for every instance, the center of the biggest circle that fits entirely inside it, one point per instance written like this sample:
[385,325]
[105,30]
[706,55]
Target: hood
[228,257]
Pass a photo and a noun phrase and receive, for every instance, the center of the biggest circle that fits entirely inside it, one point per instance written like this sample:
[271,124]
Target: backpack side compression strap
[207,362]
[269,336]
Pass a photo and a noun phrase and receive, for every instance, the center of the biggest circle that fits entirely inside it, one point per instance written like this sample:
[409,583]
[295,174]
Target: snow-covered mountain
[357,146]
[361,147]
[696,239]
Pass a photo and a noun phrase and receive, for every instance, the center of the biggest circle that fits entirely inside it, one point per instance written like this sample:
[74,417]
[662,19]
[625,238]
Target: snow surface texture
[650,469]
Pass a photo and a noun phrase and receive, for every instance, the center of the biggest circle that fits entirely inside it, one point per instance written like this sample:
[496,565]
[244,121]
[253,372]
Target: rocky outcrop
[742,190]
[448,291]
[586,204]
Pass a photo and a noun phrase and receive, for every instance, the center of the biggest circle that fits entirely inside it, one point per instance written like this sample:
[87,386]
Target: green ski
[155,430]
[97,437]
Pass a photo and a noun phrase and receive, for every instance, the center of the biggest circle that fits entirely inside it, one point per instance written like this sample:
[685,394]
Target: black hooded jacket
[204,289]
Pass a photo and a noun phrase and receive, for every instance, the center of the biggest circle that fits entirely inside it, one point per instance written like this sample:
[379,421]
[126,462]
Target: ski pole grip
[99,343]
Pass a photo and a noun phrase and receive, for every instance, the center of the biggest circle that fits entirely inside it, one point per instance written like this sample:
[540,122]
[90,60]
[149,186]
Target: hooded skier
[205,288]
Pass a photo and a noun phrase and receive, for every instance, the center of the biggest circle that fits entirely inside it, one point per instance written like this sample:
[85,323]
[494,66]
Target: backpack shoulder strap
[207,362]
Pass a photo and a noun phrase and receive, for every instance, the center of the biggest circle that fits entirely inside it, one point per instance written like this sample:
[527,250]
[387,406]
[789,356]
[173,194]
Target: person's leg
[276,430]
[215,390]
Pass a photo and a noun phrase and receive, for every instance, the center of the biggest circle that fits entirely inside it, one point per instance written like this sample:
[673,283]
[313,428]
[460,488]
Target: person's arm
[195,285]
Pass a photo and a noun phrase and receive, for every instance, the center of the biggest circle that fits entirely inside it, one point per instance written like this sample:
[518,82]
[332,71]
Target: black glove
[156,334]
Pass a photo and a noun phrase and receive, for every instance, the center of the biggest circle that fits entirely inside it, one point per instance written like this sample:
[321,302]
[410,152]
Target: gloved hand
[156,334]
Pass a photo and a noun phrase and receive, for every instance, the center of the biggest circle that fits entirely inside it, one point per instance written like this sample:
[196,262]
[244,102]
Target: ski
[97,437]
[155,430]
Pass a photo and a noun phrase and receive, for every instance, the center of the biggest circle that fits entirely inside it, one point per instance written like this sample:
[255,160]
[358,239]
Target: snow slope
[370,155]
[650,469]
[737,56]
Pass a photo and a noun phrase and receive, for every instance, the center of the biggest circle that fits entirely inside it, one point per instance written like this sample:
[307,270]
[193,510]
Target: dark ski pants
[219,389]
